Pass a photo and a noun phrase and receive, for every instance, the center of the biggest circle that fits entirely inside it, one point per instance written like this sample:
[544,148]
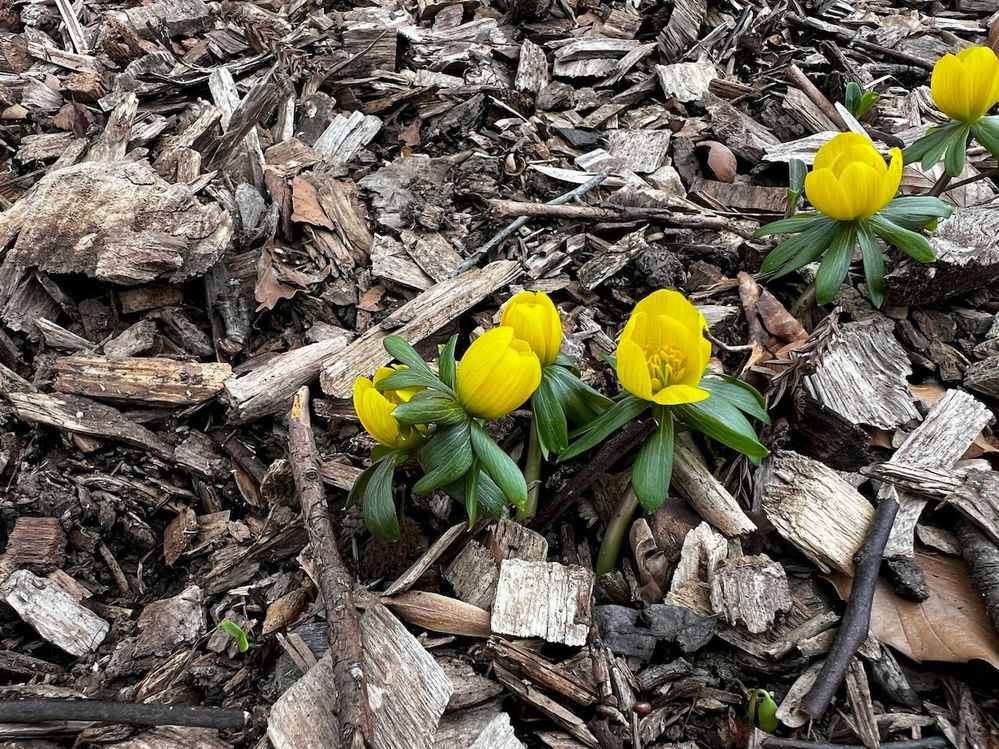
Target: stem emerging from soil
[618,526]
[532,471]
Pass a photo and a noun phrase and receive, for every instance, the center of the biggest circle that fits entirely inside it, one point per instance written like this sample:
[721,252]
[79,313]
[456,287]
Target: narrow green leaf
[499,466]
[874,264]
[653,467]
[835,264]
[411,378]
[853,95]
[378,505]
[986,132]
[915,211]
[445,457]
[793,225]
[472,492]
[580,403]
[740,394]
[801,249]
[957,151]
[490,499]
[868,100]
[724,423]
[430,407]
[796,171]
[915,245]
[624,411]
[400,349]
[361,482]
[553,431]
[446,363]
[930,147]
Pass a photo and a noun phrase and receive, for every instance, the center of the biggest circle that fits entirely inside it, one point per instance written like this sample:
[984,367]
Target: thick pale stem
[532,472]
[617,528]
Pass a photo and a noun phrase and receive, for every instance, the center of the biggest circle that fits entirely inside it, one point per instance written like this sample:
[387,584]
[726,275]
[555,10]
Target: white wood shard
[751,590]
[703,550]
[498,734]
[54,613]
[706,494]
[814,508]
[863,374]
[543,599]
[407,692]
[686,81]
[939,442]
[345,136]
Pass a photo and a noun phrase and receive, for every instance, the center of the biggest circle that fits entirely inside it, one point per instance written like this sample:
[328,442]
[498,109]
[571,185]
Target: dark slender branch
[984,174]
[774,742]
[350,704]
[607,456]
[940,185]
[131,713]
[857,616]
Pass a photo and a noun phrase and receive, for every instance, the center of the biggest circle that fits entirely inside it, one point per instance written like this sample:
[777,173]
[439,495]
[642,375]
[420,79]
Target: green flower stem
[532,472]
[940,185]
[618,526]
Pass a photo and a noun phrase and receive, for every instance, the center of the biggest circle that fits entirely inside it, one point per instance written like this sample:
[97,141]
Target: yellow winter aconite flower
[375,409]
[966,85]
[850,179]
[535,321]
[497,374]
[663,353]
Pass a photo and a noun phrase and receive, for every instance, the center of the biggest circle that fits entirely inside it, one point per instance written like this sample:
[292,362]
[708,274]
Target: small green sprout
[243,641]
[858,101]
[761,710]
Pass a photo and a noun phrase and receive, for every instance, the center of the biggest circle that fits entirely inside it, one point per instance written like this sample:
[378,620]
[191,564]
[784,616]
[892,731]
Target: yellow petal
[840,147]
[671,304]
[632,369]
[825,193]
[892,178]
[981,69]
[862,186]
[949,88]
[375,413]
[536,321]
[675,395]
[401,395]
[497,374]
[686,346]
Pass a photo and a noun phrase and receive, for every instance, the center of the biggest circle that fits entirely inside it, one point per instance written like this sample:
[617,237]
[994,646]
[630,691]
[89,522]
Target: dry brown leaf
[269,290]
[439,613]
[721,160]
[305,205]
[951,625]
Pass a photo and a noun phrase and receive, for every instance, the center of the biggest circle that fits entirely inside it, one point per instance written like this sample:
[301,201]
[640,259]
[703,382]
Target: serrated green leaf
[624,411]
[986,133]
[236,633]
[445,457]
[740,394]
[490,499]
[378,505]
[549,418]
[430,407]
[912,244]
[724,423]
[792,225]
[653,467]
[400,349]
[835,264]
[915,211]
[874,264]
[446,363]
[500,467]
[957,151]
[801,249]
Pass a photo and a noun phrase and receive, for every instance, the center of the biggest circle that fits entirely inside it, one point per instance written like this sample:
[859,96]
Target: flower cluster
[853,188]
[438,418]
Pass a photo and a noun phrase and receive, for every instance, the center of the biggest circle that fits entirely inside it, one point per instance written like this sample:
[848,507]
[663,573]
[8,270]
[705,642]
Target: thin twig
[350,703]
[608,212]
[502,236]
[798,78]
[841,34]
[131,713]
[940,185]
[977,178]
[857,616]
[775,742]
[607,456]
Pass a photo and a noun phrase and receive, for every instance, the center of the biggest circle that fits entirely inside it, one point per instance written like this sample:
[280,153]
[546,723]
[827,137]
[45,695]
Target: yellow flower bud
[850,179]
[497,374]
[534,320]
[375,409]
[966,85]
[663,353]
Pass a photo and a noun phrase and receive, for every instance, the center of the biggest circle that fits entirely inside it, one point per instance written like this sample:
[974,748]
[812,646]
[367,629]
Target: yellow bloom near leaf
[850,179]
[663,353]
[375,409]
[534,320]
[497,374]
[965,86]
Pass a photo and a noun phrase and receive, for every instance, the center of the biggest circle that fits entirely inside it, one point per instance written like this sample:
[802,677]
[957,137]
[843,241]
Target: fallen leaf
[721,160]
[305,205]
[269,290]
[951,625]
[371,301]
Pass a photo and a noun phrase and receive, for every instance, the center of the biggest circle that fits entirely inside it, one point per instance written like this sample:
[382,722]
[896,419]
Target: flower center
[665,364]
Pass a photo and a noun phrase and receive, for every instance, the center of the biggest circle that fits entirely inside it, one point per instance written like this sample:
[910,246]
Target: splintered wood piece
[541,599]
[268,389]
[414,321]
[686,81]
[863,376]
[706,494]
[82,416]
[751,590]
[683,28]
[178,535]
[498,734]
[36,541]
[978,499]
[511,540]
[703,550]
[532,667]
[473,574]
[431,555]
[174,17]
[605,264]
[464,728]
[408,692]
[532,70]
[547,706]
[864,717]
[54,613]
[118,222]
[146,380]
[983,377]
[814,508]
[939,442]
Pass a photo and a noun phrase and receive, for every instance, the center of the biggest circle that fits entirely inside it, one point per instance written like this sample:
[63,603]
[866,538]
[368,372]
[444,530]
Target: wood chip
[541,599]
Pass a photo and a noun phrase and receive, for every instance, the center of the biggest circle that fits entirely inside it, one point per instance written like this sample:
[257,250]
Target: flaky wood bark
[350,704]
[704,492]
